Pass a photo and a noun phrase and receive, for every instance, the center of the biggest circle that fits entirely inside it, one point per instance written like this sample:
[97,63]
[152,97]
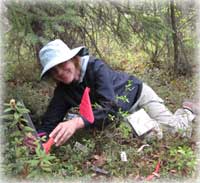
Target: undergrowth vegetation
[98,149]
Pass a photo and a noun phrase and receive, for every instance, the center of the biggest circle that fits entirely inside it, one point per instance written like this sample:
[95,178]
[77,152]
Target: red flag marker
[85,108]
[47,145]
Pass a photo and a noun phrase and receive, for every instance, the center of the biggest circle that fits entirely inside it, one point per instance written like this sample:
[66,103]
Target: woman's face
[65,72]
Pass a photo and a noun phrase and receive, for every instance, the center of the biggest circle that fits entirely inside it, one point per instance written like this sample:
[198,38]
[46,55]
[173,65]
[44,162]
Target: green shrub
[182,158]
[18,160]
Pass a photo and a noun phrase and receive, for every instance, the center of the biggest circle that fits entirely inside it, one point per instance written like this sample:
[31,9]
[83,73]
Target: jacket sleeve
[104,94]
[56,111]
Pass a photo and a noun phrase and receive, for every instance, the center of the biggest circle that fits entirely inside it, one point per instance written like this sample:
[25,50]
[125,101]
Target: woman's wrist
[79,123]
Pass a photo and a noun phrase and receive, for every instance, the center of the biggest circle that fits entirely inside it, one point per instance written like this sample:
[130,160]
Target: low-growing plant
[125,130]
[182,159]
[18,159]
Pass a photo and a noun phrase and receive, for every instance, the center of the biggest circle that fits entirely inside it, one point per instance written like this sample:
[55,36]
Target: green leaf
[7,116]
[24,120]
[17,116]
[19,104]
[47,162]
[34,162]
[34,173]
[47,169]
[22,110]
[16,134]
[8,109]
[6,104]
[38,151]
[28,129]
[51,157]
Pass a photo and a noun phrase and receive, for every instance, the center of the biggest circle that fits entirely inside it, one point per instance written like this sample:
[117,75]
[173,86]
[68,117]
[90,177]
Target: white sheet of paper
[141,122]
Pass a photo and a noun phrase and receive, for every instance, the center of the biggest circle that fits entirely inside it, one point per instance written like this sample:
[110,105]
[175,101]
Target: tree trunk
[37,28]
[175,37]
[181,63]
[168,41]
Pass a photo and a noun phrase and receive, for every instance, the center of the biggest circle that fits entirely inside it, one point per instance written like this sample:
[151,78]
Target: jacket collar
[84,62]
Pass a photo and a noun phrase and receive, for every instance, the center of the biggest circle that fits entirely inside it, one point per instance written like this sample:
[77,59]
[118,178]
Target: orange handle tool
[150,177]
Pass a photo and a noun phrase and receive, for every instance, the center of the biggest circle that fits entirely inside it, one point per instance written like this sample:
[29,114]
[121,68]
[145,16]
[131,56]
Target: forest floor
[96,155]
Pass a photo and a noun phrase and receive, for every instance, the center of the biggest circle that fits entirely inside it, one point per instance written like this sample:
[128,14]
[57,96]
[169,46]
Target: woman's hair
[77,62]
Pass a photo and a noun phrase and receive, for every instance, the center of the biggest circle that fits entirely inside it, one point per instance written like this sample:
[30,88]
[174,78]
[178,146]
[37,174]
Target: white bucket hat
[54,53]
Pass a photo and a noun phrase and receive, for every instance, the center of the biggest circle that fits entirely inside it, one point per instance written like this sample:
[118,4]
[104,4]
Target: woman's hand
[65,130]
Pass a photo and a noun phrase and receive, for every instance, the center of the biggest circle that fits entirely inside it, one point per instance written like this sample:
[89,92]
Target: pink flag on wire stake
[85,108]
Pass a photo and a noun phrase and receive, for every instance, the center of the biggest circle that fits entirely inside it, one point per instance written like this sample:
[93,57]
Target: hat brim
[70,54]
[53,63]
